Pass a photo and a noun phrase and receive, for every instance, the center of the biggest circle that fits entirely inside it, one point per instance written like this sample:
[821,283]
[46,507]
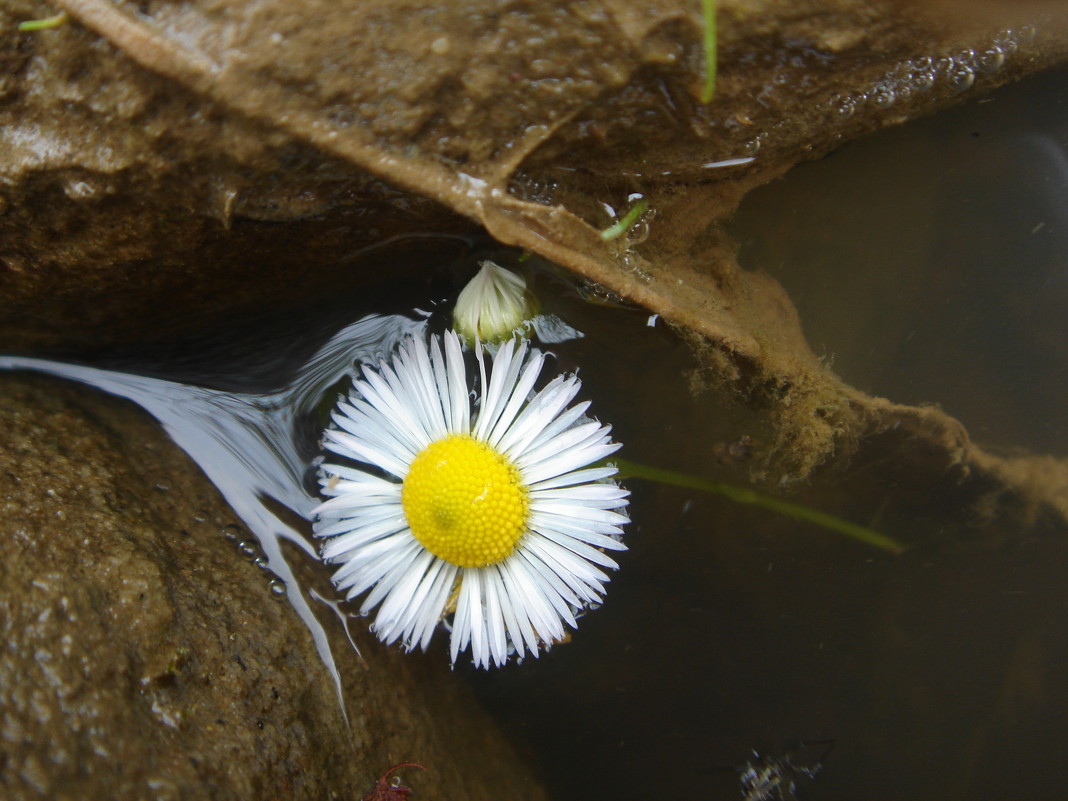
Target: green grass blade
[44,24]
[626,221]
[738,494]
[708,9]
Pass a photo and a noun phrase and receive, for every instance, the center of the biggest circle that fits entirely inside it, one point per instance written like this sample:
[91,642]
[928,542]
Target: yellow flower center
[465,502]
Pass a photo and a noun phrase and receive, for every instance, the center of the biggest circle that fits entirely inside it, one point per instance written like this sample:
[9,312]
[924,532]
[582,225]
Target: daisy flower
[483,506]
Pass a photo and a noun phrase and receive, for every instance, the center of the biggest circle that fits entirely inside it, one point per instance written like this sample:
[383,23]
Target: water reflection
[250,444]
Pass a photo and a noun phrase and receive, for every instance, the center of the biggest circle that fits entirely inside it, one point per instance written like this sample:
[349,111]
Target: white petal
[502,380]
[562,597]
[585,580]
[397,565]
[579,548]
[498,643]
[460,399]
[517,602]
[542,616]
[401,604]
[575,477]
[374,562]
[578,513]
[511,622]
[597,537]
[565,462]
[416,376]
[545,409]
[361,419]
[588,431]
[604,496]
[441,382]
[436,599]
[357,537]
[382,394]
[345,444]
[520,391]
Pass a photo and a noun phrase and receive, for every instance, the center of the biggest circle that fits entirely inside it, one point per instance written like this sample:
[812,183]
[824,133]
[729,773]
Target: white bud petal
[494,306]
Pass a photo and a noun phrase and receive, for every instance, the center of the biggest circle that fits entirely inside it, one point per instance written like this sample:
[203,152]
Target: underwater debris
[388,786]
[767,778]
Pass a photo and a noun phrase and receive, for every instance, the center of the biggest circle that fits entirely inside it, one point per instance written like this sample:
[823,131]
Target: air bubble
[965,57]
[846,107]
[991,60]
[961,78]
[1007,41]
[1026,34]
[902,69]
[632,263]
[922,81]
[278,587]
[882,95]
[247,547]
[638,232]
[261,562]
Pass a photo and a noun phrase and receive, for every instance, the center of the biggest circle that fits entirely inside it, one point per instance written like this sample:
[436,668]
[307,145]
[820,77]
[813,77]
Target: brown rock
[144,657]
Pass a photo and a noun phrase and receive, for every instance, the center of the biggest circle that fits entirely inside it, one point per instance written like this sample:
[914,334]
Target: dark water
[918,261]
[931,262]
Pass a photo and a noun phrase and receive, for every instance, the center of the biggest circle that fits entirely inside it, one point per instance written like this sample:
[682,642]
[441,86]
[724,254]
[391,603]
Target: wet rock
[144,657]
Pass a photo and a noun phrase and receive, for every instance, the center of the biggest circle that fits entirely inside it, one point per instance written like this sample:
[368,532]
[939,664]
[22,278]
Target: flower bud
[494,306]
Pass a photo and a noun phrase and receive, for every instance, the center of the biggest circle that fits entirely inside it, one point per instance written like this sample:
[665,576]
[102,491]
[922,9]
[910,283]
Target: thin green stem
[738,494]
[44,24]
[708,9]
[626,221]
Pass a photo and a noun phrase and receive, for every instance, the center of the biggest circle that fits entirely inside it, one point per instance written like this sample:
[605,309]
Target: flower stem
[708,9]
[738,494]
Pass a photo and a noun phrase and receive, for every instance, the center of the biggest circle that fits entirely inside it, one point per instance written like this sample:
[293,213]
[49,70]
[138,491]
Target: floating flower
[493,306]
[488,509]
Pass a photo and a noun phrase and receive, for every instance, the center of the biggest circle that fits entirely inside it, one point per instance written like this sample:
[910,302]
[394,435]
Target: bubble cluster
[251,550]
[534,189]
[957,72]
